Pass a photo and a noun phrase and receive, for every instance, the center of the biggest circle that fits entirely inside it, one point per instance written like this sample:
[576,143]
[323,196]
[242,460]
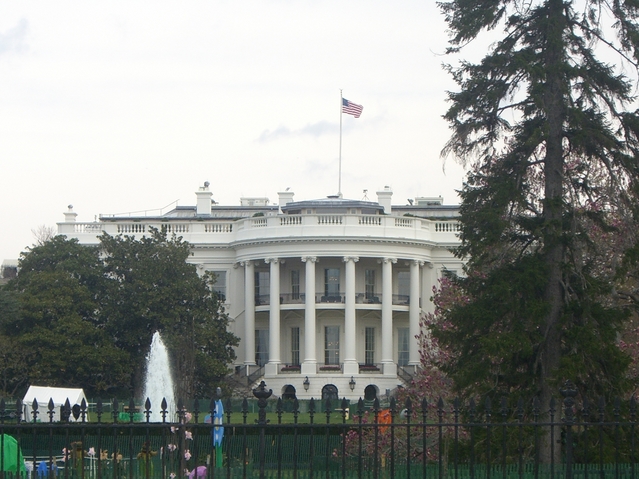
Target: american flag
[351,108]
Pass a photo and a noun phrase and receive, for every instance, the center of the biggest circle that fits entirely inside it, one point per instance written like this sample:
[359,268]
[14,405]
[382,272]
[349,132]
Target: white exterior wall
[225,245]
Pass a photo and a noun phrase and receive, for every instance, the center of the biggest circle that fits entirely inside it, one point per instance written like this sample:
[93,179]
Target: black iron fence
[221,439]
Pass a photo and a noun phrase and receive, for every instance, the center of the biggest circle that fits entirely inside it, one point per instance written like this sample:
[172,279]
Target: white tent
[43,394]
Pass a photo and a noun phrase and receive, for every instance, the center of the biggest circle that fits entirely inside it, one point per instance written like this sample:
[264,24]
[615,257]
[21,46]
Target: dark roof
[331,202]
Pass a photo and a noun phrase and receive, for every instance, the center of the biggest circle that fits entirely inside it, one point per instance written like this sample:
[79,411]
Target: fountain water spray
[158,382]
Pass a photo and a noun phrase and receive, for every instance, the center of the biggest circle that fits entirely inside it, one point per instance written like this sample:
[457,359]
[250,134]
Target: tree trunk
[554,106]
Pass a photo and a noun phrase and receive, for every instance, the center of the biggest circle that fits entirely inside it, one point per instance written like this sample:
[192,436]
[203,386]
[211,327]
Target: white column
[413,313]
[274,332]
[309,366]
[249,313]
[350,327]
[387,316]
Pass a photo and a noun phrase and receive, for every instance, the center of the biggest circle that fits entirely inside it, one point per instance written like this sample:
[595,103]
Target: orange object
[384,417]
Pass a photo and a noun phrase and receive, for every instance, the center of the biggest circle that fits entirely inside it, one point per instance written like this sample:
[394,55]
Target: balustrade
[292,298]
[404,222]
[447,226]
[284,225]
[177,228]
[401,299]
[218,227]
[88,228]
[330,219]
[127,228]
[262,300]
[290,220]
[370,220]
[360,298]
[259,222]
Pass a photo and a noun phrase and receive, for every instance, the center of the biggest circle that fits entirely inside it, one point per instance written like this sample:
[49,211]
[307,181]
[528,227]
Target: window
[370,346]
[331,282]
[220,284]
[402,346]
[295,346]
[370,393]
[449,273]
[370,284]
[330,392]
[295,284]
[403,284]
[331,345]
[261,347]
[262,287]
[289,393]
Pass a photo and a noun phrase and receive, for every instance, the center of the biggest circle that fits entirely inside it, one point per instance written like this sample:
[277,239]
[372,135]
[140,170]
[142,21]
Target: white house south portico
[326,295]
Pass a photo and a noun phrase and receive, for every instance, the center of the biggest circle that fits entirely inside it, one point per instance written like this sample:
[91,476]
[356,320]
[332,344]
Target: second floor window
[262,287]
[295,284]
[331,282]
[403,284]
[370,284]
[220,284]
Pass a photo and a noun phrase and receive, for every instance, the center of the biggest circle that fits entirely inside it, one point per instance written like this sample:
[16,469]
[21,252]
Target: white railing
[129,228]
[178,228]
[404,222]
[330,219]
[259,222]
[218,227]
[370,220]
[87,228]
[447,227]
[225,231]
[290,220]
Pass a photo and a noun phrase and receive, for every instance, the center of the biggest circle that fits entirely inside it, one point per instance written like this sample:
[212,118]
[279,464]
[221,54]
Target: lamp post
[262,395]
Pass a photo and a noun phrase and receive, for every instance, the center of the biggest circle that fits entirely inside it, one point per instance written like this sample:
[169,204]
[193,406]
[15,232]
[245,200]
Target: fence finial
[262,395]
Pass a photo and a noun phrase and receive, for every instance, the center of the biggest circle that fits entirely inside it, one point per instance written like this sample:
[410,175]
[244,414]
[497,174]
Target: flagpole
[341,103]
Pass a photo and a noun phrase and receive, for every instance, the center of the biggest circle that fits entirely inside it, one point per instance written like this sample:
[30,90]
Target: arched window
[330,392]
[288,393]
[370,392]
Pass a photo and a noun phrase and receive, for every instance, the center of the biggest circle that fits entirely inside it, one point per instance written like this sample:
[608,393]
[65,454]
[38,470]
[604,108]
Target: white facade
[325,295]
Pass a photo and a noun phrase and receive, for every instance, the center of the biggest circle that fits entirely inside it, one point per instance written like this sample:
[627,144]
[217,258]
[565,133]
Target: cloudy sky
[125,106]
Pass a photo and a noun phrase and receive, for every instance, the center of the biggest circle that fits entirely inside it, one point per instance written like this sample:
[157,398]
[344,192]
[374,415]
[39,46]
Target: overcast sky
[125,106]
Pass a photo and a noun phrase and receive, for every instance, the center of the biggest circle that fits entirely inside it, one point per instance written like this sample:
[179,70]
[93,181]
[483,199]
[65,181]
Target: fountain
[158,382]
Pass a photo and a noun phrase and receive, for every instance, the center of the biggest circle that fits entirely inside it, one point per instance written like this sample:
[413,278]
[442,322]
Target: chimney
[384,199]
[285,197]
[70,215]
[203,200]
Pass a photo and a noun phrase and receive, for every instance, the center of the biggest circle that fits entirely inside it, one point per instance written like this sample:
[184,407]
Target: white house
[326,295]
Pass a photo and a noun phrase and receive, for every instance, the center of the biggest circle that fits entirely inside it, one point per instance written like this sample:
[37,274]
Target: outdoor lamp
[351,383]
[306,383]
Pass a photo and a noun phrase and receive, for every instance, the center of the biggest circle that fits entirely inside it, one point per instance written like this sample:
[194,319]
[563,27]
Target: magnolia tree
[86,316]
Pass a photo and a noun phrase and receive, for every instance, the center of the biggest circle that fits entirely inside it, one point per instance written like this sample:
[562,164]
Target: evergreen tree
[545,126]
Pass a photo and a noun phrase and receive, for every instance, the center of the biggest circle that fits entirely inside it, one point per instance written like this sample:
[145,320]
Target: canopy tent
[43,394]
